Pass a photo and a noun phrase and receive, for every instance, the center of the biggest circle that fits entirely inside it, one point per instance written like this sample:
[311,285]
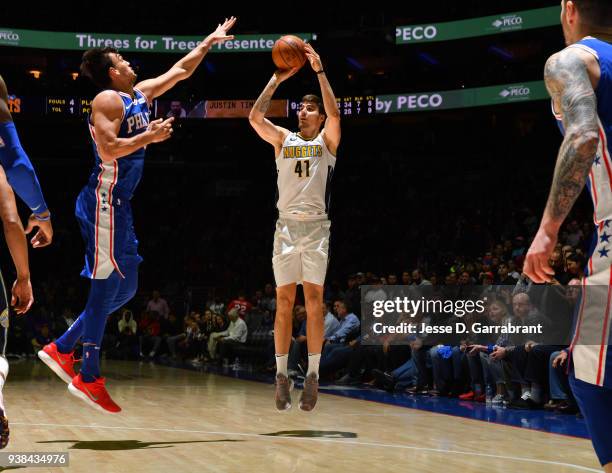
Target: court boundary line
[325,440]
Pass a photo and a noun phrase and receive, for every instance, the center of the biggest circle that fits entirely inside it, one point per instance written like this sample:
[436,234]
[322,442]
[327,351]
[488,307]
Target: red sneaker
[94,394]
[62,364]
[480,398]
[467,396]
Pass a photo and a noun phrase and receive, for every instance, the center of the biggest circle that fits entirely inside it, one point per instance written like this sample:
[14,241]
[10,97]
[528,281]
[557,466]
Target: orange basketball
[288,52]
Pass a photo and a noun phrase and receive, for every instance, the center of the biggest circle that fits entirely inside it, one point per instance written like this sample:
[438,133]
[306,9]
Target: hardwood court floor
[177,421]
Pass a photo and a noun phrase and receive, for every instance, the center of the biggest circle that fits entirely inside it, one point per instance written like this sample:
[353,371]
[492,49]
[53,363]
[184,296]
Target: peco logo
[416,33]
[511,92]
[8,36]
[510,21]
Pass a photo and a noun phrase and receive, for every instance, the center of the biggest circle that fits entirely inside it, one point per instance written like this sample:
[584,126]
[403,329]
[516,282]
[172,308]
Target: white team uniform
[301,239]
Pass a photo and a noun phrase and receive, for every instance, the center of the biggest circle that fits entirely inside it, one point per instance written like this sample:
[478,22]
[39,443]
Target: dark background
[409,190]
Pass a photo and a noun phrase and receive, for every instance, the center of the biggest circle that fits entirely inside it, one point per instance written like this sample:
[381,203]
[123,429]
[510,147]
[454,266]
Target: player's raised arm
[187,65]
[15,237]
[17,166]
[331,130]
[268,131]
[106,116]
[569,84]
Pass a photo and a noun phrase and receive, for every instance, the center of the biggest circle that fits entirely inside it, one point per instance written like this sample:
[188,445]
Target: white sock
[313,363]
[281,363]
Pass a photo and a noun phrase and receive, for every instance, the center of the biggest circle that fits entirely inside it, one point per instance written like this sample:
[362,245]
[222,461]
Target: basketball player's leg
[283,324]
[595,404]
[287,273]
[88,385]
[313,293]
[59,355]
[314,259]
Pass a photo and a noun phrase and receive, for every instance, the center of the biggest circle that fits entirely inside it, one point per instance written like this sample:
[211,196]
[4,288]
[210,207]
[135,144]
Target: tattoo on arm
[265,99]
[569,85]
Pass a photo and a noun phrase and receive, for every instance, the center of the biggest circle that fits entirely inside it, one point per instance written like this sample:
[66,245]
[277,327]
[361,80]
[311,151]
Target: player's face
[309,116]
[123,67]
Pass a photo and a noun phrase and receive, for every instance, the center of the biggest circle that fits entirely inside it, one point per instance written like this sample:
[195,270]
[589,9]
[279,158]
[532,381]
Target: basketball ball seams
[293,50]
[288,52]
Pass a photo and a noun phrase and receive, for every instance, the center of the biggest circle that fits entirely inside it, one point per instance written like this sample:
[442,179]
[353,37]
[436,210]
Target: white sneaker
[498,399]
[526,395]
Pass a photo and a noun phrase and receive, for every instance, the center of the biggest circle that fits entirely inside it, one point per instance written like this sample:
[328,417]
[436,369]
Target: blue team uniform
[591,358]
[111,249]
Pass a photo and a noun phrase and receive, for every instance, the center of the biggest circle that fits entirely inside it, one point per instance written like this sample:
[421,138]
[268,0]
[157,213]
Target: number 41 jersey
[305,169]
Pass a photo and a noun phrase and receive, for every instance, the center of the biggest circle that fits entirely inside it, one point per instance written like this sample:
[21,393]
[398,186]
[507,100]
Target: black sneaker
[524,404]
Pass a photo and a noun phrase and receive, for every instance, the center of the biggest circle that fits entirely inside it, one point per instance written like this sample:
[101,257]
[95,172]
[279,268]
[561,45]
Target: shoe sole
[54,366]
[288,408]
[81,395]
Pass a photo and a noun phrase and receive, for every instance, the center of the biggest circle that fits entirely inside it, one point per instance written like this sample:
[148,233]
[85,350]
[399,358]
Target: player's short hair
[595,12]
[95,64]
[315,99]
[576,258]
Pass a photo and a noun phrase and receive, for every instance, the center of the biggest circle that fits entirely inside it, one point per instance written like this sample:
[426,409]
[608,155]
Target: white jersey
[305,168]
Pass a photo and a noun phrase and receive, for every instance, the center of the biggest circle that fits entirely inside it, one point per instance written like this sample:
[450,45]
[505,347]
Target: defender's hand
[44,235]
[22,298]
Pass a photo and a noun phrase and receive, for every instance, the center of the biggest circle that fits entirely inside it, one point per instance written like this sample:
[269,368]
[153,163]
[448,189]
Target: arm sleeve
[19,170]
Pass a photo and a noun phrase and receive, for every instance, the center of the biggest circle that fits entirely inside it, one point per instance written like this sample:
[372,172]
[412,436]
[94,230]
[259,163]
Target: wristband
[43,219]
[322,71]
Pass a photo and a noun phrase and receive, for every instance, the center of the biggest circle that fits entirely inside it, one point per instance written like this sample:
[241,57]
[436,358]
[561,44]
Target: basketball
[288,52]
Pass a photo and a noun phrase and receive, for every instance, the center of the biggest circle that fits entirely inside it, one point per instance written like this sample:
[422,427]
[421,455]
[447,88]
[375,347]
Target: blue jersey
[103,206]
[129,168]
[591,357]
[600,177]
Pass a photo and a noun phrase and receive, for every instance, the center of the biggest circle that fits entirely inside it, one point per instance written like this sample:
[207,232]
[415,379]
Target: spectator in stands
[158,304]
[127,341]
[241,304]
[352,297]
[268,302]
[418,278]
[42,337]
[149,329]
[493,371]
[236,334]
[575,265]
[504,277]
[348,330]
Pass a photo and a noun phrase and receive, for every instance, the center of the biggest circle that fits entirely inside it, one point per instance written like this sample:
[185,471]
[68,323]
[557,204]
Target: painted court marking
[326,440]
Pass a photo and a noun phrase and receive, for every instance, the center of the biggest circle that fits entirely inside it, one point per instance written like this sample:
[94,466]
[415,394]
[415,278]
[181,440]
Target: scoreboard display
[357,105]
[61,105]
[73,106]
[70,106]
[353,105]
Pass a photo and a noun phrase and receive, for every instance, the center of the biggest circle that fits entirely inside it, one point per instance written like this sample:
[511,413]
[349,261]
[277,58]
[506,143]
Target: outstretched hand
[220,34]
[313,58]
[160,129]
